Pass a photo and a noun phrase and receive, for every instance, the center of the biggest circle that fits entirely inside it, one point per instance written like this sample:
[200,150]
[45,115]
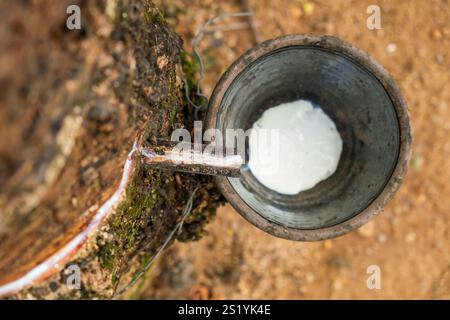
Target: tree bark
[74,107]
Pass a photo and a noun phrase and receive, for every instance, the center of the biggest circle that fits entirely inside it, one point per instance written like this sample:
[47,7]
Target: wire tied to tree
[178,227]
[194,44]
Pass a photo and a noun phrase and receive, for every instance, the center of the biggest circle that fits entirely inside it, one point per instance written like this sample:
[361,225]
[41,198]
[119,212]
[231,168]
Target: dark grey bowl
[367,108]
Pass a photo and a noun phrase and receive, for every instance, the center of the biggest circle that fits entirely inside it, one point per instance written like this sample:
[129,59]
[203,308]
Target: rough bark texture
[69,120]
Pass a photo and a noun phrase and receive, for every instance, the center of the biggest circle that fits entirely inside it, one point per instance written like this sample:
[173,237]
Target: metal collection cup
[357,93]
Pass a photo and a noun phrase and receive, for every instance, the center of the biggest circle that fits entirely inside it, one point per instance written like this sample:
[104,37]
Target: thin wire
[251,22]
[187,210]
[194,43]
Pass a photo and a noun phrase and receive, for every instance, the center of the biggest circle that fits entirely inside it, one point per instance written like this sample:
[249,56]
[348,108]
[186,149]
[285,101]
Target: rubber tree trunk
[74,106]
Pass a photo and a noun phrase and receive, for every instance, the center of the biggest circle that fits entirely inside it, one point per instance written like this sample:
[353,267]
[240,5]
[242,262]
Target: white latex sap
[303,149]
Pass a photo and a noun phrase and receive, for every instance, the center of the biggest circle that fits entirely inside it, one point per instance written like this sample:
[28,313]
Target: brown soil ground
[409,241]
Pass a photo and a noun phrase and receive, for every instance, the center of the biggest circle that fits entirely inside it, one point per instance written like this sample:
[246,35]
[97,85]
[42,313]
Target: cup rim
[365,60]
